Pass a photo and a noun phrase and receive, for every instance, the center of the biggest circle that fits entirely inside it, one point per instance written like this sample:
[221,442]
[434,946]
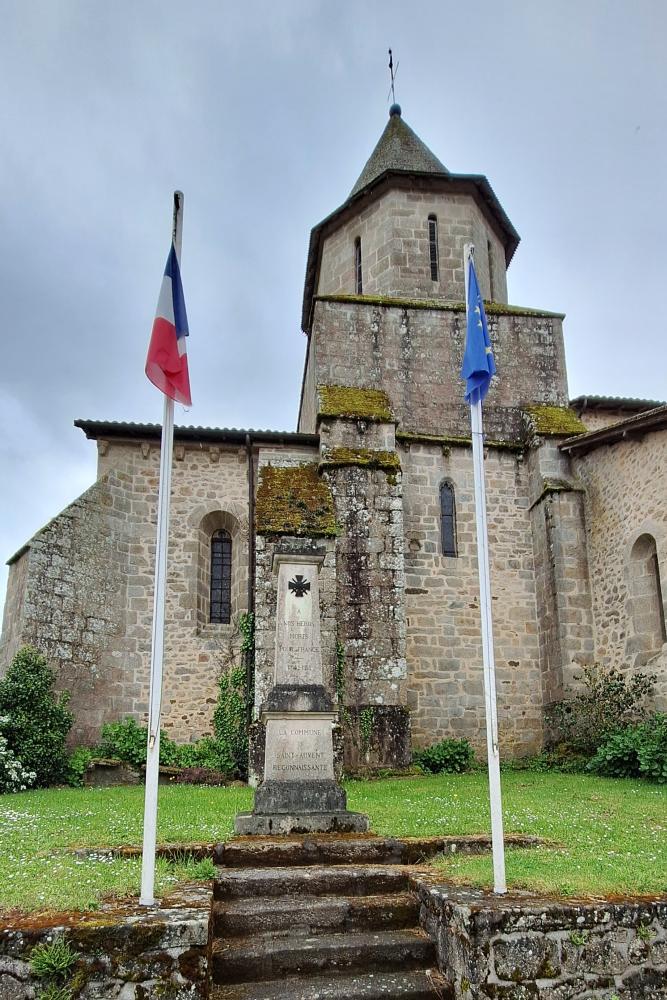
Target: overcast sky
[264,115]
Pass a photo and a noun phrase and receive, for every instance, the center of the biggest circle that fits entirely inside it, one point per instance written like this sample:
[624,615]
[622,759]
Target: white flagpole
[493,756]
[147,897]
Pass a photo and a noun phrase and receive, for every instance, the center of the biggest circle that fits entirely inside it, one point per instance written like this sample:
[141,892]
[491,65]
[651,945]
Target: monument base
[259,825]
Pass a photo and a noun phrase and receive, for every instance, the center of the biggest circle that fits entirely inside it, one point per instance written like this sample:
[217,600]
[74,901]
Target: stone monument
[299,792]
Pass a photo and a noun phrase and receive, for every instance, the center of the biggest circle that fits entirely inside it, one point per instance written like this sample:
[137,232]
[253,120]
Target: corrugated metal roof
[640,423]
[125,429]
[614,403]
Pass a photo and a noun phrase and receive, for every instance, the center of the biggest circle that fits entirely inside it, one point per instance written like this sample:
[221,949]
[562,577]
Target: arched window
[433,245]
[648,610]
[358,282]
[447,520]
[221,577]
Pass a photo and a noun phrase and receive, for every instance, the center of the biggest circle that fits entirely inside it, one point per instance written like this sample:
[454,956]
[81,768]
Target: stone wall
[625,486]
[415,354]
[395,248]
[521,947]
[137,954]
[89,586]
[445,683]
[67,596]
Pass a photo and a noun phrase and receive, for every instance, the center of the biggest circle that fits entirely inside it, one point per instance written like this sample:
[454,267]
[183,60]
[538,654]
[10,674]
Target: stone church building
[379,472]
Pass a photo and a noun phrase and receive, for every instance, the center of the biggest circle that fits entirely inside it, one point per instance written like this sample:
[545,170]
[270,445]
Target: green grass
[613,833]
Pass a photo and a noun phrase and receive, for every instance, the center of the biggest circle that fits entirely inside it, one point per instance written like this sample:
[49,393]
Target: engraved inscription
[298,751]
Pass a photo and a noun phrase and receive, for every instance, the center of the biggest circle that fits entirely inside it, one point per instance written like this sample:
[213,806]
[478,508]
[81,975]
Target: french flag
[167,360]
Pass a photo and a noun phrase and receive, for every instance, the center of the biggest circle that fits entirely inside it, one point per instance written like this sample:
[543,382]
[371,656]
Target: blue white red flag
[478,364]
[167,359]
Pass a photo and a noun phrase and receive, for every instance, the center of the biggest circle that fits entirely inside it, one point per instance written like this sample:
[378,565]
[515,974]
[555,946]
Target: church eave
[475,184]
[625,430]
[117,429]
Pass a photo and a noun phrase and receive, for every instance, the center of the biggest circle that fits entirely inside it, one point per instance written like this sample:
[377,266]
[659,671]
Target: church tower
[384,314]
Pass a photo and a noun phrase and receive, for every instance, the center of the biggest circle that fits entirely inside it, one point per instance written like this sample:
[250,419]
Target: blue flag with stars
[478,364]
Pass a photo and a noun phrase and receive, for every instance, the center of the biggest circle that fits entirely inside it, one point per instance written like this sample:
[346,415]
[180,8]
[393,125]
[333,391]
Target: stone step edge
[354,912]
[311,849]
[311,880]
[324,954]
[418,984]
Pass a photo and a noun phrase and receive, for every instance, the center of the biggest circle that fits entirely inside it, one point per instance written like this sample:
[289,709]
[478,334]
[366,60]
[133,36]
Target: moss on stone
[554,420]
[491,308]
[386,461]
[448,441]
[354,403]
[293,500]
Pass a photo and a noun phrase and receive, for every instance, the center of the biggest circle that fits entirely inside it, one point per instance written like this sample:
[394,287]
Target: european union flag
[478,364]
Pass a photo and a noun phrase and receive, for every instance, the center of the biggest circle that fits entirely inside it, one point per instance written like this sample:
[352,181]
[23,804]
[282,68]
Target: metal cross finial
[392,73]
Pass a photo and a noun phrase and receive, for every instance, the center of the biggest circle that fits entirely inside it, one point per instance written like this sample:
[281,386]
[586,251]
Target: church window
[221,577]
[358,283]
[447,520]
[433,246]
[645,591]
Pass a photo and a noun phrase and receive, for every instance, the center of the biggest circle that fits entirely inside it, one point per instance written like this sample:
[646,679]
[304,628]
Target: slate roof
[398,149]
[400,157]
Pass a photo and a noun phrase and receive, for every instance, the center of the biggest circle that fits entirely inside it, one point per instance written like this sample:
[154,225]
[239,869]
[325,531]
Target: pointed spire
[399,149]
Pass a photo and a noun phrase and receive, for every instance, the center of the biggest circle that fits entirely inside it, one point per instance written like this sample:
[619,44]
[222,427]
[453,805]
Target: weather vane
[393,73]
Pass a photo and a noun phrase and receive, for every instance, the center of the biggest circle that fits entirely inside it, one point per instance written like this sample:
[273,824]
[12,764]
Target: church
[378,476]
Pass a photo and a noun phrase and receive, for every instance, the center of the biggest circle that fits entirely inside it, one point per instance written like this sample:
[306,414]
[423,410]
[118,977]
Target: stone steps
[307,931]
[417,985]
[237,917]
[310,880]
[268,956]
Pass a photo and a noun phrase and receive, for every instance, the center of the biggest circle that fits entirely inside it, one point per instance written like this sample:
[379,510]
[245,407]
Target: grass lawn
[613,834]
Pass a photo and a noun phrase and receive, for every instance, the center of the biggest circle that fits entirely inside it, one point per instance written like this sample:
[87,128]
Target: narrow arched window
[645,591]
[447,520]
[221,577]
[433,246]
[358,282]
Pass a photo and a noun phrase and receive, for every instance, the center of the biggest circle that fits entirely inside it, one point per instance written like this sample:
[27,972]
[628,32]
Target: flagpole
[492,750]
[147,897]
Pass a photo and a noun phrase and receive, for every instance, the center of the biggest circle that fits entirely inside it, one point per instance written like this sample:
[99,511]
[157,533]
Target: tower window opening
[447,520]
[221,577]
[358,282]
[433,246]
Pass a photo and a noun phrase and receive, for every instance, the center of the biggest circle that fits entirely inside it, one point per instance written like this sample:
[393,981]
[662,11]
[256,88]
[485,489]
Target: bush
[77,766]
[14,777]
[38,721]
[638,751]
[206,753]
[607,702]
[452,756]
[128,741]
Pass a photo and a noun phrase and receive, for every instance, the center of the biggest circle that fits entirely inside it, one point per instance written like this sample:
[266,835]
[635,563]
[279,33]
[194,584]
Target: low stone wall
[523,947]
[125,953]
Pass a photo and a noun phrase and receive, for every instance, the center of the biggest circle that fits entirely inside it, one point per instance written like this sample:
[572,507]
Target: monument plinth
[299,792]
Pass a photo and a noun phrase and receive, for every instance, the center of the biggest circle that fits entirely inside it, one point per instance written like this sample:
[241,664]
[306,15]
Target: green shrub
[452,756]
[128,741]
[77,766]
[208,753]
[37,721]
[606,702]
[638,751]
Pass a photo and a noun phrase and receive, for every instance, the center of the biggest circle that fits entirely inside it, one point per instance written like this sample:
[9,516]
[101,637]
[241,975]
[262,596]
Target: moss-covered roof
[490,308]
[354,403]
[294,500]
[559,421]
[398,149]
[448,440]
[387,461]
